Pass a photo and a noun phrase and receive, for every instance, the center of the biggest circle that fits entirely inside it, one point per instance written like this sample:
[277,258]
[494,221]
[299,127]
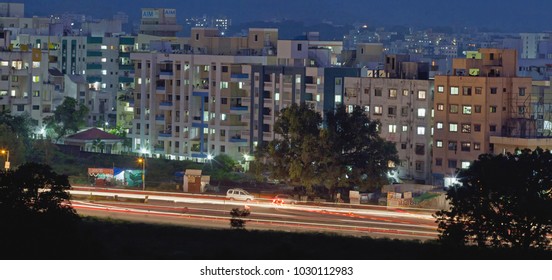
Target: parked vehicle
[283,199]
[239,194]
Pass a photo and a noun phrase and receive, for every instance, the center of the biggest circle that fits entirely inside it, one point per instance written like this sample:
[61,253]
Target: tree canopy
[502,201]
[343,151]
[68,118]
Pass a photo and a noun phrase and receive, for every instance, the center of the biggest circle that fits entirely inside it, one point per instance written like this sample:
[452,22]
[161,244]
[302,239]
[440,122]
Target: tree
[220,167]
[98,144]
[344,151]
[10,141]
[355,153]
[502,201]
[35,212]
[293,156]
[68,118]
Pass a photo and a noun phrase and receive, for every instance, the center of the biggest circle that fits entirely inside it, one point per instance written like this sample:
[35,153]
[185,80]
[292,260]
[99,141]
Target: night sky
[506,15]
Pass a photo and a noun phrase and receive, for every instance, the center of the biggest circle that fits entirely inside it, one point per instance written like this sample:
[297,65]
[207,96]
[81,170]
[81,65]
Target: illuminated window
[453,127]
[223,85]
[405,92]
[439,143]
[4,63]
[467,110]
[104,59]
[378,110]
[466,164]
[421,112]
[104,47]
[453,90]
[393,93]
[36,79]
[440,89]
[440,107]
[492,109]
[422,95]
[392,128]
[421,130]
[440,125]
[36,64]
[404,128]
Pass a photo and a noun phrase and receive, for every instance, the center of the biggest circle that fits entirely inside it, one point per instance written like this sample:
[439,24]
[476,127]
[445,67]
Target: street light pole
[7,164]
[144,174]
[142,160]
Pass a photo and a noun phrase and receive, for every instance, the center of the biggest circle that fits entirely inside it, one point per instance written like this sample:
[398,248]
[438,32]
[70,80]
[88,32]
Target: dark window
[299,47]
[420,149]
[439,162]
[477,127]
[466,146]
[452,145]
[492,128]
[224,100]
[493,90]
[452,163]
[377,92]
[477,108]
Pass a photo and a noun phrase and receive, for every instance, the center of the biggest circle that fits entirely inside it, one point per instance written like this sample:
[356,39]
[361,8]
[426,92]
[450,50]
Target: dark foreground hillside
[105,239]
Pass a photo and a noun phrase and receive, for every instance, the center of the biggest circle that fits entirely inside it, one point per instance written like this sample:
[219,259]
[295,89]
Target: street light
[7,163]
[142,160]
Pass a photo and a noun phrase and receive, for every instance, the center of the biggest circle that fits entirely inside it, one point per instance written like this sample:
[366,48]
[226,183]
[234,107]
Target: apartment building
[404,108]
[191,104]
[273,88]
[482,99]
[26,84]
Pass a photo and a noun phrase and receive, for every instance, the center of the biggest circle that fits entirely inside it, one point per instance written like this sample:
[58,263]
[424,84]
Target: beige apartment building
[403,107]
[191,104]
[482,99]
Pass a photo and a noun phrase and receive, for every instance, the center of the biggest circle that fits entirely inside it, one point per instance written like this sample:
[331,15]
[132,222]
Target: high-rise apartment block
[482,99]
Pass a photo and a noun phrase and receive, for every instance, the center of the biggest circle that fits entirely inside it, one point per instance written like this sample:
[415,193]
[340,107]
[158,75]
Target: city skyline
[468,13]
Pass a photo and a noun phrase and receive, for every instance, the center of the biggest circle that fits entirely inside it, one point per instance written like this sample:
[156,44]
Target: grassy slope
[107,239]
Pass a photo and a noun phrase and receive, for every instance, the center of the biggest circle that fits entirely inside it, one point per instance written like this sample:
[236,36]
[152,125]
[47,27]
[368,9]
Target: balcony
[239,77]
[160,119]
[166,105]
[238,107]
[166,75]
[159,149]
[237,139]
[161,90]
[164,134]
[21,101]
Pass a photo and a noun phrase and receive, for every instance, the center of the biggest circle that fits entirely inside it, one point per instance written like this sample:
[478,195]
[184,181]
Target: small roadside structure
[95,140]
[409,195]
[194,182]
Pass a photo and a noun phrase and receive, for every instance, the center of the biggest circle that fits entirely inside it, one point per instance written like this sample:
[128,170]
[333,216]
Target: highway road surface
[209,211]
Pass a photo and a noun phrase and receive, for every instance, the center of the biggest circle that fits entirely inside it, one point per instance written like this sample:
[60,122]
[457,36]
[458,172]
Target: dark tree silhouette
[502,201]
[35,211]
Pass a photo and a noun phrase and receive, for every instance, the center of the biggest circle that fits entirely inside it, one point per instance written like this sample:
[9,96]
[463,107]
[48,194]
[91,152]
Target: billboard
[170,13]
[150,13]
[128,178]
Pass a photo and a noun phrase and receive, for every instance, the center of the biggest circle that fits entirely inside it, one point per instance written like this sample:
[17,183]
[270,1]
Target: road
[213,212]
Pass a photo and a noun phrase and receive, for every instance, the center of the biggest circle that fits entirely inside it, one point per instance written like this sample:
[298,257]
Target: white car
[239,194]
